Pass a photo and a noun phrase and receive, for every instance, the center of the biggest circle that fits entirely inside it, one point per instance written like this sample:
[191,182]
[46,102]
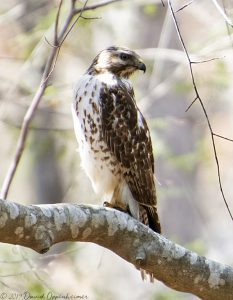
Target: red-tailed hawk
[113,136]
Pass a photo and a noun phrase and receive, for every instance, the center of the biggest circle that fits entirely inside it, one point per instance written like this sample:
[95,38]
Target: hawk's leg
[108,204]
[116,201]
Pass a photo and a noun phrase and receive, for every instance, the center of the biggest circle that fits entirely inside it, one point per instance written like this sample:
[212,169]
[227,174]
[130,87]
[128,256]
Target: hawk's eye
[124,56]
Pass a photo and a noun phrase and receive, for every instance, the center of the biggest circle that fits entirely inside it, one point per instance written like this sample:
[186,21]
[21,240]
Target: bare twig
[163,42]
[49,43]
[227,25]
[34,270]
[206,60]
[73,24]
[184,6]
[94,6]
[56,24]
[36,128]
[202,106]
[191,104]
[222,12]
[90,18]
[223,137]
[59,38]
[21,140]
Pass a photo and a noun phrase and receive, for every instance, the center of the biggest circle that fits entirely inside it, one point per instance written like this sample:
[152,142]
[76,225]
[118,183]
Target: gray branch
[40,226]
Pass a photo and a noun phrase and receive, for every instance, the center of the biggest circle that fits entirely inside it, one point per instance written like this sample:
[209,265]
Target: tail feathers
[153,219]
[148,215]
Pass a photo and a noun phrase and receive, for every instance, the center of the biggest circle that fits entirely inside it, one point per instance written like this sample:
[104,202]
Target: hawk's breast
[100,165]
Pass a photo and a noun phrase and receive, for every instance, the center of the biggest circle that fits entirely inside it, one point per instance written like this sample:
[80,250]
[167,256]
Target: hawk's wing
[127,135]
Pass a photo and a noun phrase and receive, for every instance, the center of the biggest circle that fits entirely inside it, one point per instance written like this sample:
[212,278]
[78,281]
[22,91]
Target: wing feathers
[126,133]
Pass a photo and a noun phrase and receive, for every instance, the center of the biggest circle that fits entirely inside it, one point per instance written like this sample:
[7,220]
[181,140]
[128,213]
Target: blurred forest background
[191,207]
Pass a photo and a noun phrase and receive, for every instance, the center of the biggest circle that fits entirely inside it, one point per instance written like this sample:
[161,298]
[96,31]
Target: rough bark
[40,226]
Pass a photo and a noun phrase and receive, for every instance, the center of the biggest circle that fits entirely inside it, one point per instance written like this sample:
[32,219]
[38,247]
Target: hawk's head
[119,61]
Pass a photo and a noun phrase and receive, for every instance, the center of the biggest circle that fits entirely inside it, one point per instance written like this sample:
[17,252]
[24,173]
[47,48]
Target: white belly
[102,178]
[96,160]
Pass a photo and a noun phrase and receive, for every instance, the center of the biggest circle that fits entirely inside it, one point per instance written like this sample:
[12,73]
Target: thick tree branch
[41,226]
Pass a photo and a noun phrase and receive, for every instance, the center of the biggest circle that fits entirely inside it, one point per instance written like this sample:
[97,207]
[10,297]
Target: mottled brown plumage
[114,139]
[131,145]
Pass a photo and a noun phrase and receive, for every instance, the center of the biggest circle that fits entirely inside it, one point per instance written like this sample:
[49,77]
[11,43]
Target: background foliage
[190,204]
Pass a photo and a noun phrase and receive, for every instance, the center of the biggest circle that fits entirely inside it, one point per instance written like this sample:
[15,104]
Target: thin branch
[222,12]
[39,227]
[206,60]
[227,25]
[184,6]
[9,287]
[223,137]
[73,24]
[56,24]
[95,6]
[202,106]
[37,128]
[14,274]
[35,271]
[191,104]
[60,40]
[55,58]
[90,18]
[49,43]
[21,141]
[41,258]
[49,68]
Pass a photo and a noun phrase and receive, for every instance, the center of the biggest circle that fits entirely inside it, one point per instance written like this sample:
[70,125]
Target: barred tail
[149,216]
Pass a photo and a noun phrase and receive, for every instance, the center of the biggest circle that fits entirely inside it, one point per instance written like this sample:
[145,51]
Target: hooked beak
[142,66]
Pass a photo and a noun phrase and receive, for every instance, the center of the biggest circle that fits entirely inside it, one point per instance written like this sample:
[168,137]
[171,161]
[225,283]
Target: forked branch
[199,99]
[59,38]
